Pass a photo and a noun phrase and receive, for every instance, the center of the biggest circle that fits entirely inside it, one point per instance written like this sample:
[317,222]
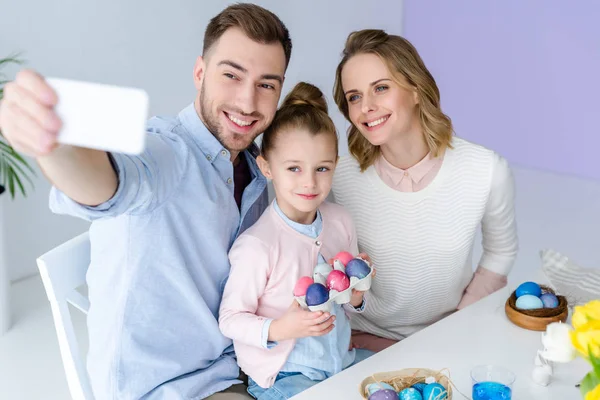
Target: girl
[418,194]
[281,347]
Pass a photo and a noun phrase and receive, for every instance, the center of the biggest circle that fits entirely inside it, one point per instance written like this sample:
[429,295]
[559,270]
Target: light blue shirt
[319,357]
[159,264]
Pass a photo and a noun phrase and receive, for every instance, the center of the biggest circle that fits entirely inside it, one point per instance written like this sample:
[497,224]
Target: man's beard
[238,143]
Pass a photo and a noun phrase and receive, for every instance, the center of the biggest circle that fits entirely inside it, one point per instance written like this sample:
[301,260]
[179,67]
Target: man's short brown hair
[259,24]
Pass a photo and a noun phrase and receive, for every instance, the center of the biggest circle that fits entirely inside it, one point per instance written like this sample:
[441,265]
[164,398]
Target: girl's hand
[298,323]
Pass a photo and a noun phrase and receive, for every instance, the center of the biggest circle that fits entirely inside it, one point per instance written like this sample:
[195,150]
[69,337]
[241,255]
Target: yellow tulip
[587,338]
[593,394]
[586,313]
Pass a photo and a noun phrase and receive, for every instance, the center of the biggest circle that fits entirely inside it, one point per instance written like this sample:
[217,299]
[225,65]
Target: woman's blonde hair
[304,107]
[403,61]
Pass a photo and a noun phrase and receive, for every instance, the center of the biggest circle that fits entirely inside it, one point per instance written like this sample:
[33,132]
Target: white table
[479,334]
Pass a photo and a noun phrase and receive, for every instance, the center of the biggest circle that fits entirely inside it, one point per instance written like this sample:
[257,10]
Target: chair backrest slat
[63,270]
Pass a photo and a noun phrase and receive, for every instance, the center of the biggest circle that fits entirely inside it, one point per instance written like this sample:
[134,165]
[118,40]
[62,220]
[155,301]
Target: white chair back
[63,270]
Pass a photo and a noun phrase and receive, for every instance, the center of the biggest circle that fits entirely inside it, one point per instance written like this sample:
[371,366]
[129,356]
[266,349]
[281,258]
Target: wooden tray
[536,320]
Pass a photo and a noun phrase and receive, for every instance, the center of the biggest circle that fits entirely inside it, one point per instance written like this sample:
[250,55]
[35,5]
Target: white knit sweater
[421,242]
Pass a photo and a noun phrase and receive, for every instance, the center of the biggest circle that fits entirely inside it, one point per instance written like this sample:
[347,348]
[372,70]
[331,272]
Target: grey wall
[153,44]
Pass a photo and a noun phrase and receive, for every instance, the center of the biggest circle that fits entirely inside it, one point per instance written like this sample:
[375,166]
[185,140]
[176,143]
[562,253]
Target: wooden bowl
[405,378]
[537,319]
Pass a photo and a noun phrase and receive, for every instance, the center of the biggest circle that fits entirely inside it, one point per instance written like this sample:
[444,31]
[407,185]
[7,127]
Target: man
[164,221]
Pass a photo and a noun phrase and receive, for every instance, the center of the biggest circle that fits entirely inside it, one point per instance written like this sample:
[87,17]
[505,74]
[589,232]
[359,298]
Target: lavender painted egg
[549,300]
[357,268]
[410,394]
[316,294]
[373,387]
[385,394]
[337,280]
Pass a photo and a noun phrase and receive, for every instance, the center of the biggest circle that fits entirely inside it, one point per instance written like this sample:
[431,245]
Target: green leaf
[595,361]
[20,184]
[589,383]
[16,169]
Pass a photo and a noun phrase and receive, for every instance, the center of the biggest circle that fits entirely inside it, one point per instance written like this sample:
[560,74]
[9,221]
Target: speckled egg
[549,300]
[531,288]
[357,268]
[434,391]
[373,387]
[385,394]
[529,302]
[410,394]
[344,257]
[302,284]
[337,280]
[316,294]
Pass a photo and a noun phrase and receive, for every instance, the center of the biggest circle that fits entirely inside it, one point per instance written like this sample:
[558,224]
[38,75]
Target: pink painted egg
[301,286]
[344,257]
[337,280]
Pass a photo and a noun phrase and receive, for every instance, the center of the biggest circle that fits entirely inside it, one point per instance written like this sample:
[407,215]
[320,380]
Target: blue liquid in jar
[491,391]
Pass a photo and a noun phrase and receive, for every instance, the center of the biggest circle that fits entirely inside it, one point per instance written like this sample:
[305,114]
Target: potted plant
[14,169]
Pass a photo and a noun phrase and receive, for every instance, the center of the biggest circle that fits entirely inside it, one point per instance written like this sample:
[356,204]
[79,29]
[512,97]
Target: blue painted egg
[531,288]
[529,302]
[373,387]
[549,300]
[385,394]
[410,394]
[316,294]
[434,391]
[419,386]
[358,268]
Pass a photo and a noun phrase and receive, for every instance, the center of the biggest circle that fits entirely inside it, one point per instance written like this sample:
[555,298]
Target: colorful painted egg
[529,302]
[410,394]
[344,257]
[549,300]
[302,284]
[337,280]
[419,386]
[323,269]
[531,288]
[434,391]
[385,394]
[316,294]
[357,268]
[373,387]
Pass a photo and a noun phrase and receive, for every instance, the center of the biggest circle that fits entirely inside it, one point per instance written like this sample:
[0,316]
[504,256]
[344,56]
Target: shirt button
[318,243]
[229,180]
[223,153]
[405,173]
[209,158]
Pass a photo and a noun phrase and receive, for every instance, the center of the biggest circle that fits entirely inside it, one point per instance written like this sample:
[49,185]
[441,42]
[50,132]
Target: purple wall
[519,76]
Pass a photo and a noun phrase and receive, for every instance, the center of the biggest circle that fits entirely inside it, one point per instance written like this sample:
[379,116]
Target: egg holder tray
[536,319]
[343,297]
[405,378]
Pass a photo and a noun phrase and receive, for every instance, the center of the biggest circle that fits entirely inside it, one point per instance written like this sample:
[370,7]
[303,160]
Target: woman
[416,193]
